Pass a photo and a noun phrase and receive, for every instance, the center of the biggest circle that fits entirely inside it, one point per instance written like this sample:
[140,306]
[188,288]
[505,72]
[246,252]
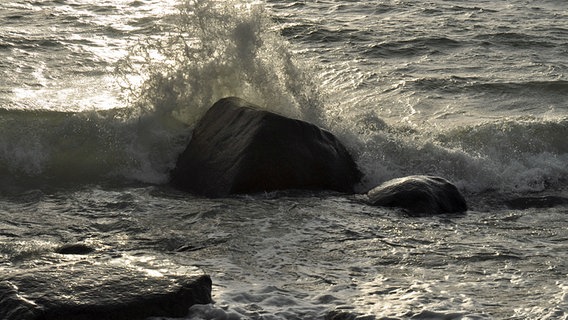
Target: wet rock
[238,148]
[541,202]
[419,195]
[102,289]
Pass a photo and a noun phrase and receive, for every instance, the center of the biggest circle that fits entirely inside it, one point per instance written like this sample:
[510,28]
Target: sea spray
[210,50]
[217,49]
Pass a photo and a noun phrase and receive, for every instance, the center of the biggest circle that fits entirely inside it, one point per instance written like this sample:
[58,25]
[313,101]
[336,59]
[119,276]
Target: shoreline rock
[95,289]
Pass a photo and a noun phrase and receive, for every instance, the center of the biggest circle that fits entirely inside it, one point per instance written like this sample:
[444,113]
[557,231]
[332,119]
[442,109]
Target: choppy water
[98,99]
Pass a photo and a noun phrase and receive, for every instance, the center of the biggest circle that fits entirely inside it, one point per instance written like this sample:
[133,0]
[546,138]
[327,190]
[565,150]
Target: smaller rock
[419,195]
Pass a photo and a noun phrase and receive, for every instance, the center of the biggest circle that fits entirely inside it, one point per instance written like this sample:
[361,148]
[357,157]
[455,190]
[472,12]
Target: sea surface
[98,98]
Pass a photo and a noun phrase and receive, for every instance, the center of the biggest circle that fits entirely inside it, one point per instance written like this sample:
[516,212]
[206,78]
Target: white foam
[220,49]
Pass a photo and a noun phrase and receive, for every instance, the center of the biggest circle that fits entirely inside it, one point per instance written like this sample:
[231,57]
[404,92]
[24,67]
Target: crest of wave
[214,49]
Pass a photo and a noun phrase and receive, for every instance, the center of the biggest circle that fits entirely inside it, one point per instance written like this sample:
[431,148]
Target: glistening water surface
[282,256]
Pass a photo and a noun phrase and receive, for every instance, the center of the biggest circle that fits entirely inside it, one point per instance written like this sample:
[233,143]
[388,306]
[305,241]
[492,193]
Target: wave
[231,48]
[505,156]
[545,89]
[517,40]
[48,148]
[411,47]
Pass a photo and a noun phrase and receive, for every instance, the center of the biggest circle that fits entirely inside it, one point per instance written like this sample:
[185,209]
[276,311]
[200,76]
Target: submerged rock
[419,195]
[92,289]
[239,148]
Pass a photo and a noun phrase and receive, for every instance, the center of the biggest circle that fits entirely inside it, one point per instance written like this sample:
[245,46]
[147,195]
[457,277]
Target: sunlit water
[98,99]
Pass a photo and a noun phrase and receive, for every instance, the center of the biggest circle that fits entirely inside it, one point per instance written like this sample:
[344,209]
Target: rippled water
[281,256]
[98,99]
[60,55]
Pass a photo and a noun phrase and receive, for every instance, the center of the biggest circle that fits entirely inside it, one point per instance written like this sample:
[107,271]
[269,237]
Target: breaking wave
[214,49]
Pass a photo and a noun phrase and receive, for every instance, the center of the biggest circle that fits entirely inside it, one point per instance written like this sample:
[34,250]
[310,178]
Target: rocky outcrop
[419,195]
[92,289]
[238,148]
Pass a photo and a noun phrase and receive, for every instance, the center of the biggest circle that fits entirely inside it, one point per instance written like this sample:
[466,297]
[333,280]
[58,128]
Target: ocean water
[98,98]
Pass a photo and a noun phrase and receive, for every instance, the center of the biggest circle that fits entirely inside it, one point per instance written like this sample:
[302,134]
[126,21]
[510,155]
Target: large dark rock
[101,290]
[239,148]
[419,195]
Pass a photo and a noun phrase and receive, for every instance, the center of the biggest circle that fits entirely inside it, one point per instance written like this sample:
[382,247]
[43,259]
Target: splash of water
[217,49]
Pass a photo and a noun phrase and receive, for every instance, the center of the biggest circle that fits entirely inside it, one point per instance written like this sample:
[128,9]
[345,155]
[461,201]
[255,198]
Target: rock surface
[238,148]
[419,195]
[102,290]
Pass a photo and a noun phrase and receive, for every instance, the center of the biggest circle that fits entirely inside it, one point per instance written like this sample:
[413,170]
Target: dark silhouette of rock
[419,195]
[522,203]
[101,290]
[238,148]
[74,248]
